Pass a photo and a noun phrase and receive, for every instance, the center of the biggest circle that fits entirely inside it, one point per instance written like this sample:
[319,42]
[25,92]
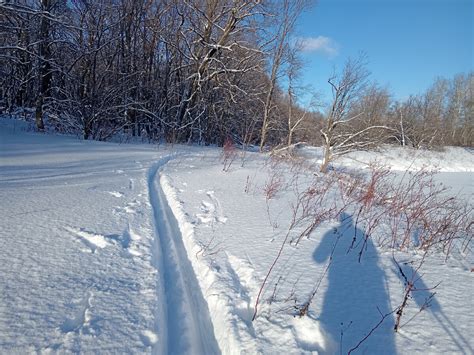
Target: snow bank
[219,303]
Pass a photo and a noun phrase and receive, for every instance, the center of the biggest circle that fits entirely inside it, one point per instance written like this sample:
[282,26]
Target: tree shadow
[356,299]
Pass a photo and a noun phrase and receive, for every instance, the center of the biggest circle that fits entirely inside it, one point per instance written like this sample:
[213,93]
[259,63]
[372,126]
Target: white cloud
[321,44]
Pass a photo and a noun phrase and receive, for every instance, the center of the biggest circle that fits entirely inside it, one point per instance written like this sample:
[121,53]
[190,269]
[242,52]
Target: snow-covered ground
[138,248]
[450,159]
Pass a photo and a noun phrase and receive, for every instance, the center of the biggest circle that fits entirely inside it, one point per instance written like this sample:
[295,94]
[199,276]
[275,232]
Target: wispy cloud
[319,44]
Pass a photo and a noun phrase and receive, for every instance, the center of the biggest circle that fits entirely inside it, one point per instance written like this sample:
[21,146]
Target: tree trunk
[39,113]
[326,159]
[44,68]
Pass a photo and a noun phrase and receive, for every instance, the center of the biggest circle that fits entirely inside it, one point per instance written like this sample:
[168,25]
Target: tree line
[203,71]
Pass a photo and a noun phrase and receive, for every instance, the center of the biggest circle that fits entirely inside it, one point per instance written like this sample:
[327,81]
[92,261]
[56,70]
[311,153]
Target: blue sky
[408,42]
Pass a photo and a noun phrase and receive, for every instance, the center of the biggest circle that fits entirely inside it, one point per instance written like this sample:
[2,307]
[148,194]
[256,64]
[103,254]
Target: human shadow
[356,299]
[424,298]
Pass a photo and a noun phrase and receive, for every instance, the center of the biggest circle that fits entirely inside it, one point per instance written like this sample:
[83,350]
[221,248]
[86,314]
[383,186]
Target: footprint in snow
[207,215]
[130,208]
[94,241]
[148,337]
[91,240]
[82,320]
[211,211]
[130,237]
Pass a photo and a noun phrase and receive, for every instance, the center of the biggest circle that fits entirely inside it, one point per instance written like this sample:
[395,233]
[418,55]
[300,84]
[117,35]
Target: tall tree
[286,12]
[352,117]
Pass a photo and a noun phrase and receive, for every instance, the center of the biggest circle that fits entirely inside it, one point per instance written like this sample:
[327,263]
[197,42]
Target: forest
[205,71]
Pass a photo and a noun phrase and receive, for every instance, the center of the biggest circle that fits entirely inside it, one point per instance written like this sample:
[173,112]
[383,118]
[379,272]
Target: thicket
[411,215]
[202,72]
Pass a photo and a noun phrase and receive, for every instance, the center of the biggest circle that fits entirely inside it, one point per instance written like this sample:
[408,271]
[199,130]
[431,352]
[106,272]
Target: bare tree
[296,114]
[286,15]
[33,24]
[440,116]
[340,132]
[459,113]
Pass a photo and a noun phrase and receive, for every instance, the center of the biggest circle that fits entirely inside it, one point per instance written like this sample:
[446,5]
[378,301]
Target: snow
[188,326]
[145,249]
[237,253]
[450,159]
[75,260]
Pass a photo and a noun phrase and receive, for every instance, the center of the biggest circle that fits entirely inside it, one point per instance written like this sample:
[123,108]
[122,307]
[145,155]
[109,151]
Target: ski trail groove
[185,326]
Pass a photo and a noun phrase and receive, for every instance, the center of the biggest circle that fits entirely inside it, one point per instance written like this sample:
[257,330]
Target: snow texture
[111,248]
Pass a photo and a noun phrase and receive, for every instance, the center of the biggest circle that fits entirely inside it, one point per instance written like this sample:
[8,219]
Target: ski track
[185,323]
